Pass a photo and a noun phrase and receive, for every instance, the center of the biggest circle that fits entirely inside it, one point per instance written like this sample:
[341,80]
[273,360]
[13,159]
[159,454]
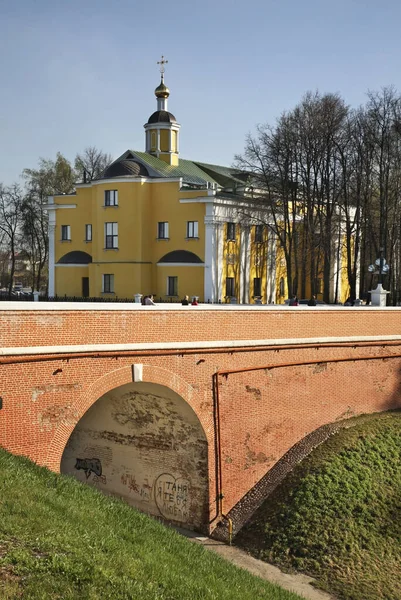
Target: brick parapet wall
[264,413]
[20,327]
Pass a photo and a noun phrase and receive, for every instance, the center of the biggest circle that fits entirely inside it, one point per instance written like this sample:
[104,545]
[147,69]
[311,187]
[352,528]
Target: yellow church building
[155,223]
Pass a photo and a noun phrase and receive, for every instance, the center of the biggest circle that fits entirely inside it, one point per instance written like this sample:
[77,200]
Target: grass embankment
[337,517]
[60,539]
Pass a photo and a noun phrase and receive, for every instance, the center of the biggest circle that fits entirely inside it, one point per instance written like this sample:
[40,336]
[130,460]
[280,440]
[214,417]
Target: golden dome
[162,90]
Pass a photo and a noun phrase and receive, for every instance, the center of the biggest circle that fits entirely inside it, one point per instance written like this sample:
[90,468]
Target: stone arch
[114,379]
[142,441]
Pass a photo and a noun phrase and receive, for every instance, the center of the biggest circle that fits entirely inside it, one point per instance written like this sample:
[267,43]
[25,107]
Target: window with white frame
[65,233]
[111,198]
[172,286]
[257,286]
[231,231]
[88,233]
[258,233]
[162,230]
[110,235]
[230,286]
[108,284]
[192,229]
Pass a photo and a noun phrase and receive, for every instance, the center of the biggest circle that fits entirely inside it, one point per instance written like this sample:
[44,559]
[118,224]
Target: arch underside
[144,443]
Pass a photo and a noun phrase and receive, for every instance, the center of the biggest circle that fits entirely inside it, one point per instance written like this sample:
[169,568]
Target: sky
[79,73]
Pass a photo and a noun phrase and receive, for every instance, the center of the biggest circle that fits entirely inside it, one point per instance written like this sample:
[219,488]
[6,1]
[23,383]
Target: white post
[210,255]
[52,250]
[245,254]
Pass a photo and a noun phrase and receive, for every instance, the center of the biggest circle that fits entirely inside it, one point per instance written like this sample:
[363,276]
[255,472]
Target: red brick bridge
[193,414]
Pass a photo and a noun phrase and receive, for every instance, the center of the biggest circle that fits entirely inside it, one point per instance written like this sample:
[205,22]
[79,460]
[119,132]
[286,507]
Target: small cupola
[162,129]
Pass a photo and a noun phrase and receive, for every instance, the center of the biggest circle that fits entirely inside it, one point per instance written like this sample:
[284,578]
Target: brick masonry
[264,413]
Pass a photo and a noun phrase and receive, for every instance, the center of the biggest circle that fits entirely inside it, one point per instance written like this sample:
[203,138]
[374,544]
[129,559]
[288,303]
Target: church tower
[162,129]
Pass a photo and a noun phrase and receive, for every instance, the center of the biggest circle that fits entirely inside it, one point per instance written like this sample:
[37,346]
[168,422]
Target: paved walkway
[300,584]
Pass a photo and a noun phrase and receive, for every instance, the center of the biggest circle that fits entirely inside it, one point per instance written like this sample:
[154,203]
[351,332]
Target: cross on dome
[162,62]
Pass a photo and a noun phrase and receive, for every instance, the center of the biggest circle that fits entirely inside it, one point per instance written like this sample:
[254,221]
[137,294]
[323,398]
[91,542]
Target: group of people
[186,302]
[149,301]
[295,302]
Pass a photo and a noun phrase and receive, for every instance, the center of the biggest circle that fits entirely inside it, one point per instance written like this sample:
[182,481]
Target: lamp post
[380,268]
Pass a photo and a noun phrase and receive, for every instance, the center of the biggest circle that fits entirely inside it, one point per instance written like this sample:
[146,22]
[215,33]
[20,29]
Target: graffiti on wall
[172,497]
[143,490]
[89,465]
[171,494]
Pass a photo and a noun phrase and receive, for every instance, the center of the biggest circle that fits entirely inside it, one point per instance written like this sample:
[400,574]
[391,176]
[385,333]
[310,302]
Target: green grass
[63,540]
[337,517]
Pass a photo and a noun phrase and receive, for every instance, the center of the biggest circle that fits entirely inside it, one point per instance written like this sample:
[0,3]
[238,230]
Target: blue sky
[82,72]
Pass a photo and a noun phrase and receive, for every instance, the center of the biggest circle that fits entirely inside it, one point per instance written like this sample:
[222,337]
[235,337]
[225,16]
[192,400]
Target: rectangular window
[111,235]
[108,284]
[257,286]
[88,233]
[111,198]
[192,229]
[162,230]
[258,233]
[230,286]
[66,233]
[172,286]
[231,231]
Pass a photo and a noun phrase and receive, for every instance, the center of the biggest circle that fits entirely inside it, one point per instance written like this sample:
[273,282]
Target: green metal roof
[224,175]
[187,169]
[192,172]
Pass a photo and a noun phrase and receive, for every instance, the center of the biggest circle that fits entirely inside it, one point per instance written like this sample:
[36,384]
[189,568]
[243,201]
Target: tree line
[23,220]
[326,178]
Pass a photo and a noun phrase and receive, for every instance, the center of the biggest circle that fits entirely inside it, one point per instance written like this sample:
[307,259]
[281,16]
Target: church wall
[69,280]
[190,281]
[165,140]
[76,218]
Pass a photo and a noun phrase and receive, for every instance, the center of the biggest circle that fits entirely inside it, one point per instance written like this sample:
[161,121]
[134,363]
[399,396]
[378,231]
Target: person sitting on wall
[143,300]
[312,301]
[149,301]
[194,301]
[293,301]
[185,302]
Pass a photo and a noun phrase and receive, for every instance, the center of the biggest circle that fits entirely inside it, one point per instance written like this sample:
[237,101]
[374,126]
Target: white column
[244,260]
[271,268]
[52,230]
[158,141]
[219,262]
[210,255]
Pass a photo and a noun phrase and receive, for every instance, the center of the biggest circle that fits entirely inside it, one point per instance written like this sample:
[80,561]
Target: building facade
[155,223]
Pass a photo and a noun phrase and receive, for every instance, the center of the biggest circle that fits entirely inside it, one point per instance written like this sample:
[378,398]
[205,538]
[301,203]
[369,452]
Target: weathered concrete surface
[143,443]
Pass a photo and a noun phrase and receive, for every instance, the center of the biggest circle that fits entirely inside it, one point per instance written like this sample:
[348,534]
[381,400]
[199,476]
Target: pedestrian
[149,301]
[185,302]
[312,301]
[293,301]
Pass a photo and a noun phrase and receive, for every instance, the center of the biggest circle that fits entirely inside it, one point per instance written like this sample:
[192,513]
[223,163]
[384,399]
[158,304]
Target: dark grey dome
[162,116]
[76,257]
[125,167]
[181,256]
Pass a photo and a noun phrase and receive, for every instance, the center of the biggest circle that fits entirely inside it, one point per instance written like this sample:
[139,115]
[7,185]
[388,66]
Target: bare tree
[91,163]
[11,200]
[52,177]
